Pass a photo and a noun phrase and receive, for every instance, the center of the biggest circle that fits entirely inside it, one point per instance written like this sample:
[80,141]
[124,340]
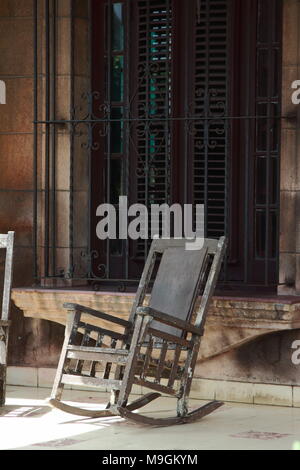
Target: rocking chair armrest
[97,314]
[169,320]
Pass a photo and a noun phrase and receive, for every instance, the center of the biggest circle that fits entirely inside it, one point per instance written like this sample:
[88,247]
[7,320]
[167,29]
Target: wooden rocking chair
[159,344]
[6,242]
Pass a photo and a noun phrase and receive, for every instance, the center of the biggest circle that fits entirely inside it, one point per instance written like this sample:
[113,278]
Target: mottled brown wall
[32,342]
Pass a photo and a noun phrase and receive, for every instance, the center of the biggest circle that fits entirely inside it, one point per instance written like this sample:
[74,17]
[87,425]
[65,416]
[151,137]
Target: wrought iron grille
[166,103]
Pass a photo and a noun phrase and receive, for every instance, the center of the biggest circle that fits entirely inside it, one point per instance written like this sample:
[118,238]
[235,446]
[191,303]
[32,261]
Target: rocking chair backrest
[176,284]
[178,278]
[7,242]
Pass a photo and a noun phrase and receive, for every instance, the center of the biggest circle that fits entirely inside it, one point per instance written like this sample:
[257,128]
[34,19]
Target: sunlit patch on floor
[22,412]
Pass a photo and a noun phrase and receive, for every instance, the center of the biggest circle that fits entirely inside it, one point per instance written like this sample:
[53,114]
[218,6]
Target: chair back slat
[176,284]
[211,282]
[7,242]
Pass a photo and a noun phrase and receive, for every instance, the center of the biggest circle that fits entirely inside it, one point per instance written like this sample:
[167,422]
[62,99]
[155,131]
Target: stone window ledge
[231,322]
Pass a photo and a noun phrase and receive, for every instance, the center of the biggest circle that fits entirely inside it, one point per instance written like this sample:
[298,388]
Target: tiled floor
[26,422]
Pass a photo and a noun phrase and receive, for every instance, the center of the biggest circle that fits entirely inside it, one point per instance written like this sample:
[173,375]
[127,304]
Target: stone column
[289,270]
[72,80]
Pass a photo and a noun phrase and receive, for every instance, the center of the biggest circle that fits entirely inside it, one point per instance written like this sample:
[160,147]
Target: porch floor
[26,422]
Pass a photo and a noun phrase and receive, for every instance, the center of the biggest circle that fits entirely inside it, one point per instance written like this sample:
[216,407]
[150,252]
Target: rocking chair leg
[58,386]
[74,410]
[143,401]
[3,362]
[131,362]
[2,384]
[182,406]
[186,380]
[114,395]
[189,418]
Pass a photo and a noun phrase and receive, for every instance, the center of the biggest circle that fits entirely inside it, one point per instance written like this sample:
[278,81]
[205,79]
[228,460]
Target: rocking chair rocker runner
[6,242]
[159,344]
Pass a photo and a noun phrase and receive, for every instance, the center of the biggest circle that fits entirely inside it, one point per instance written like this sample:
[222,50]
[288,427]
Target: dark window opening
[200,85]
[184,107]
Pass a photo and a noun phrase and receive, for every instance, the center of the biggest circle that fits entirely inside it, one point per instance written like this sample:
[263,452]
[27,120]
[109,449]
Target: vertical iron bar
[47,143]
[206,122]
[72,144]
[186,128]
[246,221]
[267,228]
[35,143]
[279,12]
[53,144]
[227,124]
[270,122]
[108,160]
[246,175]
[127,12]
[91,129]
[167,103]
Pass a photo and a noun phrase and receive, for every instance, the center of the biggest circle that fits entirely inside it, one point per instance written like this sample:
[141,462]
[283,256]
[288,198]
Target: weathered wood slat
[109,364]
[84,343]
[161,363]
[119,352]
[98,344]
[144,282]
[147,358]
[169,337]
[173,373]
[69,379]
[129,369]
[160,245]
[58,386]
[154,386]
[97,314]
[96,356]
[211,282]
[152,370]
[170,320]
[103,331]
